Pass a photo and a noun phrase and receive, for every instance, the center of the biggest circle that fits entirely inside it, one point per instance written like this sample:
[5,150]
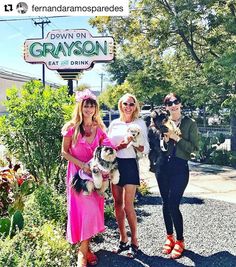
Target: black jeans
[172,181]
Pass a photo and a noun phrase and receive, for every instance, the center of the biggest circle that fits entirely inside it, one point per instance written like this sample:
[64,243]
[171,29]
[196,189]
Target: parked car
[145,110]
[109,115]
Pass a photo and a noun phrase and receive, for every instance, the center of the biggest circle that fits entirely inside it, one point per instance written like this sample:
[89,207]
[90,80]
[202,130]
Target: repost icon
[8,8]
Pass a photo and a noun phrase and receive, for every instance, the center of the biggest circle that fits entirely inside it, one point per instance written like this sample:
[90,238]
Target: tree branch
[189,47]
[232,9]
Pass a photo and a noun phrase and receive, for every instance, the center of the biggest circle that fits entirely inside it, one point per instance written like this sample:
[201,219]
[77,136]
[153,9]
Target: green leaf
[5,225]
[27,187]
[17,223]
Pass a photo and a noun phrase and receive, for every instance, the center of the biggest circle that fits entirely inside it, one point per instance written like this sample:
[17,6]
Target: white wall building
[9,79]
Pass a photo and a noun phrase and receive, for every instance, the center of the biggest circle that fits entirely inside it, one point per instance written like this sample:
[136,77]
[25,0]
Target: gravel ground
[209,226]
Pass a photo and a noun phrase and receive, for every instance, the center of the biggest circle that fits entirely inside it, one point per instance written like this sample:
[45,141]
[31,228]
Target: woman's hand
[174,136]
[139,149]
[86,168]
[123,144]
[130,139]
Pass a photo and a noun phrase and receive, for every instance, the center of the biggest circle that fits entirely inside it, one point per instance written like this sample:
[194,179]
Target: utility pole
[102,75]
[70,86]
[42,24]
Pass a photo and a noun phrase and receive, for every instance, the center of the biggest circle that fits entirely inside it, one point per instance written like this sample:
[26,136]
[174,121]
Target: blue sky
[14,33]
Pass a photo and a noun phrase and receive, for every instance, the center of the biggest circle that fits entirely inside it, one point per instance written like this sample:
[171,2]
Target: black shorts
[129,172]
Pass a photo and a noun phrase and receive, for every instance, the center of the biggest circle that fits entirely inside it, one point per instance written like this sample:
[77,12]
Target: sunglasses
[170,103]
[128,104]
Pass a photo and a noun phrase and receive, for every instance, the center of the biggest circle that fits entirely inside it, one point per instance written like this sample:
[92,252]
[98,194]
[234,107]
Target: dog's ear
[168,112]
[164,110]
[97,152]
[76,183]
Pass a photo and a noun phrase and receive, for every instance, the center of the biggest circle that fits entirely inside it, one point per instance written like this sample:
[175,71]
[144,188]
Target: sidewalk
[206,181]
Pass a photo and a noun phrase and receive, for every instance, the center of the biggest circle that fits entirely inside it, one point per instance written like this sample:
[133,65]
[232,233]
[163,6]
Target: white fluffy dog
[103,167]
[134,131]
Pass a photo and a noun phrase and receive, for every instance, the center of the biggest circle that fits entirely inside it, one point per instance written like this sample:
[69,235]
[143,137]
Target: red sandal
[169,244]
[178,249]
[92,259]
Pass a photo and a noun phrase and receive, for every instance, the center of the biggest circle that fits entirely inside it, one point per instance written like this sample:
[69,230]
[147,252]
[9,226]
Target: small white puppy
[134,131]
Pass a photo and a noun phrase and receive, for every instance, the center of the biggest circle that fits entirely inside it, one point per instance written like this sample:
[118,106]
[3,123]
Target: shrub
[220,157]
[109,211]
[143,189]
[32,129]
[233,159]
[40,247]
[45,204]
[15,185]
[208,145]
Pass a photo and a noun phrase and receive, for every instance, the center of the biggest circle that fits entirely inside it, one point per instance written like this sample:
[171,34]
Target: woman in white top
[124,191]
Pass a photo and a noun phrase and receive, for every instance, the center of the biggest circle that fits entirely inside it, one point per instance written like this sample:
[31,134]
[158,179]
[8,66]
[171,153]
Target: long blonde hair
[136,112]
[77,118]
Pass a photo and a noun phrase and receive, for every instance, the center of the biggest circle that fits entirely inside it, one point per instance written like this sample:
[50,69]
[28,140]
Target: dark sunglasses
[128,104]
[170,103]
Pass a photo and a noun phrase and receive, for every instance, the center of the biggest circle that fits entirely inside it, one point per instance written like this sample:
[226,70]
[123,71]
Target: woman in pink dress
[81,136]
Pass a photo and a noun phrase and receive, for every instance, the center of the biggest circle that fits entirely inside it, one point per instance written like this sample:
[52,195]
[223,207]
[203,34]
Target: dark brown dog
[158,123]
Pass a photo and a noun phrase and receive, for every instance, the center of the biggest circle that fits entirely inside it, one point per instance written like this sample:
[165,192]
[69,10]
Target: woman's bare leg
[130,191]
[118,196]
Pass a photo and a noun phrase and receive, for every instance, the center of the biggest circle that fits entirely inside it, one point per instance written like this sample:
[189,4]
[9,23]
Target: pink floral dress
[85,213]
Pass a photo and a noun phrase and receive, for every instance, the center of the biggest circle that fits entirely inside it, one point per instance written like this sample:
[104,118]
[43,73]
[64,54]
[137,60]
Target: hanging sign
[69,49]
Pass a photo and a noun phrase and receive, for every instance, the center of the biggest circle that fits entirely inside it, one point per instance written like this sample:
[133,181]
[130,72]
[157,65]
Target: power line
[5,20]
[42,24]
[102,75]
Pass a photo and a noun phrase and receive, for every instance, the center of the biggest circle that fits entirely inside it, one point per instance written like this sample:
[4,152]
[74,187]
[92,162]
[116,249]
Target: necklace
[88,130]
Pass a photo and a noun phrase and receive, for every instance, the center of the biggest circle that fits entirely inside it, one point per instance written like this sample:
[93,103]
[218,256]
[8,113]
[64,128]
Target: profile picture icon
[22,7]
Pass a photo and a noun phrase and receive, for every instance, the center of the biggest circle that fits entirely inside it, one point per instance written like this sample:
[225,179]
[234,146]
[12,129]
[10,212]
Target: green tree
[192,42]
[82,87]
[31,130]
[123,66]
[113,93]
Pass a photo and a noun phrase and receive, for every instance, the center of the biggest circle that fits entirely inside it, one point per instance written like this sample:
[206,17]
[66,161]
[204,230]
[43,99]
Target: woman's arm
[190,145]
[146,147]
[65,152]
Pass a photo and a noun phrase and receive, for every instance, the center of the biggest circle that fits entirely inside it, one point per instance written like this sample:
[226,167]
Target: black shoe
[122,247]
[133,251]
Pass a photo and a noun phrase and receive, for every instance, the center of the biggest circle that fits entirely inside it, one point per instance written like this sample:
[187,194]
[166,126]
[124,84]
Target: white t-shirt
[117,132]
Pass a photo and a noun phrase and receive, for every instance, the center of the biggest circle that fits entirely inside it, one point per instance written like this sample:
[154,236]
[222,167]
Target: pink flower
[85,94]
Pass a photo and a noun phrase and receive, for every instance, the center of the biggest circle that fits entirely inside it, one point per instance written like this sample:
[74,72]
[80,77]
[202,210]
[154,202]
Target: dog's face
[105,153]
[134,130]
[160,118]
